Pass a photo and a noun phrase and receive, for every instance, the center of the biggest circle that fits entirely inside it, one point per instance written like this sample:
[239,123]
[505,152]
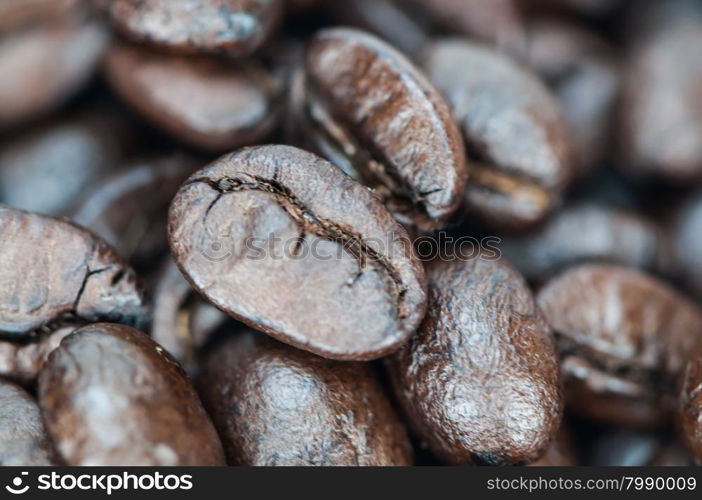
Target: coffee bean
[129,208]
[367,102]
[238,27]
[22,362]
[285,242]
[275,405]
[514,131]
[23,438]
[182,322]
[582,71]
[112,396]
[661,111]
[588,232]
[623,337]
[54,272]
[480,381]
[48,63]
[690,408]
[209,103]
[48,169]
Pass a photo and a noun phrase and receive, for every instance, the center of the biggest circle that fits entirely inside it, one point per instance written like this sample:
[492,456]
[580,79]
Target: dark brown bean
[690,408]
[480,380]
[23,438]
[284,241]
[513,129]
[583,72]
[52,271]
[369,103]
[661,112]
[45,64]
[112,396]
[624,338]
[238,27]
[206,102]
[275,405]
[588,232]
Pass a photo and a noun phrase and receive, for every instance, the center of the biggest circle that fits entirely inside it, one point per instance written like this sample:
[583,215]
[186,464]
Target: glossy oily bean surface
[237,27]
[284,241]
[112,396]
[388,122]
[624,337]
[513,128]
[209,103]
[23,438]
[276,405]
[52,270]
[479,380]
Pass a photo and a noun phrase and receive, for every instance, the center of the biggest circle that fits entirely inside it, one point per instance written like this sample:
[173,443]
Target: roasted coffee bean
[582,71]
[23,438]
[112,396]
[368,103]
[561,452]
[130,208]
[237,27]
[686,234]
[480,381]
[661,111]
[52,272]
[275,405]
[588,232]
[21,362]
[48,169]
[513,129]
[45,64]
[408,23]
[690,408]
[285,242]
[182,322]
[624,337]
[209,103]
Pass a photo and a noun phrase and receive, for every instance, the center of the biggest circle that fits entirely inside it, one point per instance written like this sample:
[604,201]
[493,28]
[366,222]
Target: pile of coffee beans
[359,232]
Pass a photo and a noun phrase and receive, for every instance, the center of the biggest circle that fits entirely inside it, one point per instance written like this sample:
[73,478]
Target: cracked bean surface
[273,235]
[52,271]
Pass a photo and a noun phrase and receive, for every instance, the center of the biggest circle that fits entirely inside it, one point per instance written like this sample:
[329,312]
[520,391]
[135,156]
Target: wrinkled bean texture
[276,405]
[480,381]
[112,396]
[270,234]
[690,410]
